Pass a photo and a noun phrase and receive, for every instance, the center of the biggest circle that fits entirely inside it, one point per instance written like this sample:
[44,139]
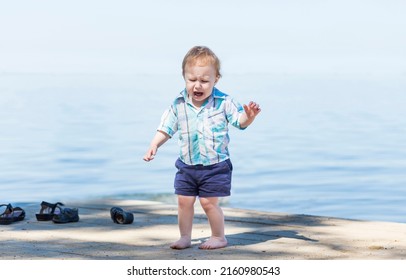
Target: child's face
[200,80]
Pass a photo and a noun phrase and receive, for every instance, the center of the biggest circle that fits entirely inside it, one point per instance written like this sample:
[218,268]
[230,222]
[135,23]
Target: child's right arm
[159,139]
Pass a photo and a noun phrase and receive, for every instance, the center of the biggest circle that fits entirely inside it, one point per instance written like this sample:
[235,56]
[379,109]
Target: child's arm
[159,139]
[251,111]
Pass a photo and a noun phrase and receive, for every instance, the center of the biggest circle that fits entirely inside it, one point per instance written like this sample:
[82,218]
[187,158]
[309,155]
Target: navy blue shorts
[203,181]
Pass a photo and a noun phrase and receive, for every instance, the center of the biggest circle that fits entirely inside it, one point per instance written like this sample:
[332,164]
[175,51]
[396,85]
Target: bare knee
[185,202]
[209,204]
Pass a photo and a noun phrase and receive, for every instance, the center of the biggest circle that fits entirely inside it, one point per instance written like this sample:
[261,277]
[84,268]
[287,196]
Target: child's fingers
[254,105]
[252,108]
[149,155]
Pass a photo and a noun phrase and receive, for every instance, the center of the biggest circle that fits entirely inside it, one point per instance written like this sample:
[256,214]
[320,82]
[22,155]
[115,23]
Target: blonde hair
[202,55]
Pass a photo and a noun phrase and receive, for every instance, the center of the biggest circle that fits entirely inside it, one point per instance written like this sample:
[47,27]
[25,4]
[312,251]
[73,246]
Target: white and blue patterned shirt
[203,132]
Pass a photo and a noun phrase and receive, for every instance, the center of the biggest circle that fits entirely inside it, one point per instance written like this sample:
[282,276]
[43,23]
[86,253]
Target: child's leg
[216,220]
[185,220]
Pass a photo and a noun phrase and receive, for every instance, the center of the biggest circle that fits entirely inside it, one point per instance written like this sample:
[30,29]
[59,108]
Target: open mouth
[197,94]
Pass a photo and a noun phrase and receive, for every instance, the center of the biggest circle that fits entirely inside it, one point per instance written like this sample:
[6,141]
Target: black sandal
[47,211]
[11,214]
[119,216]
[66,215]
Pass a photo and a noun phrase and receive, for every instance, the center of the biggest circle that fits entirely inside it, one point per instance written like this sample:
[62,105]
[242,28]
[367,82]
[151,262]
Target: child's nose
[198,85]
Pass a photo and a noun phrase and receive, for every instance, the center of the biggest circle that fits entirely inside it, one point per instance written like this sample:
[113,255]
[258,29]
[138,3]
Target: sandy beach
[252,235]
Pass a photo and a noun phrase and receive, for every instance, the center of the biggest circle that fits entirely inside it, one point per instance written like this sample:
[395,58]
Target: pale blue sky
[295,37]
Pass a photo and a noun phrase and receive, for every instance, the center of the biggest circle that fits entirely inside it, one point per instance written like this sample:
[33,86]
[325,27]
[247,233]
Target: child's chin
[198,98]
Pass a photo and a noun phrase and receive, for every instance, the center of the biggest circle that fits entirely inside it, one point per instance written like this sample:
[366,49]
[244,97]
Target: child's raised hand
[252,110]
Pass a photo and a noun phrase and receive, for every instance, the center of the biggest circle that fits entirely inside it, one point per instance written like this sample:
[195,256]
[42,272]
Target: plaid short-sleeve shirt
[203,132]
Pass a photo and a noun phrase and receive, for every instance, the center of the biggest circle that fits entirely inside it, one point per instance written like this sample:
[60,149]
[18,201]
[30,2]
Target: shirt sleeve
[233,113]
[169,122]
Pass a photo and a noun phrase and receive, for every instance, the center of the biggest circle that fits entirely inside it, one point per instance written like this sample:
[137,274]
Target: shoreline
[252,235]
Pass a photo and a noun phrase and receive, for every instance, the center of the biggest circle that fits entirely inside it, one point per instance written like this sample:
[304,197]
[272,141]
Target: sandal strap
[44,203]
[52,206]
[8,210]
[56,205]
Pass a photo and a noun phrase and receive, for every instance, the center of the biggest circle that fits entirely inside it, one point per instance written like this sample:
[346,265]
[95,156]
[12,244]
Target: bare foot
[214,243]
[182,243]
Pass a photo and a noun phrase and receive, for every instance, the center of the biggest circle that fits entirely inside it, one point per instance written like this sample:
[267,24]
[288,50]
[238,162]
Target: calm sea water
[326,146]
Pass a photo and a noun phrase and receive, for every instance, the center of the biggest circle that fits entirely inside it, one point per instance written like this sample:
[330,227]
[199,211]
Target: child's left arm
[250,112]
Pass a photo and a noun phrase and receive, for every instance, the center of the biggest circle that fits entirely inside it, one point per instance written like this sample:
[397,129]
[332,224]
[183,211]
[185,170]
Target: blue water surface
[330,146]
